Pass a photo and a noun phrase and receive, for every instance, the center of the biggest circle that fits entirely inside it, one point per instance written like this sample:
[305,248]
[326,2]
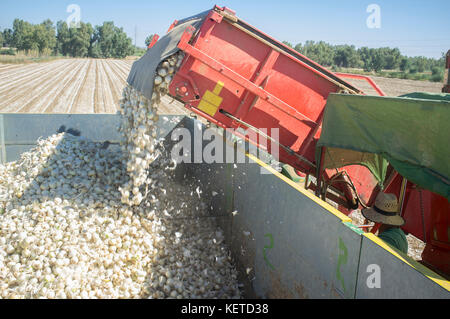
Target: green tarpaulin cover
[411,132]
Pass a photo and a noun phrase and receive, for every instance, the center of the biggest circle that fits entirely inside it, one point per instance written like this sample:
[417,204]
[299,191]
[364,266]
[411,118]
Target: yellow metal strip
[212,98]
[207,107]
[218,88]
[411,262]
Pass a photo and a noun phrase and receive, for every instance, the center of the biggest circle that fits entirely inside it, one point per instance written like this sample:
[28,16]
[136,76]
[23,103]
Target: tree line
[110,41]
[368,59]
[104,41]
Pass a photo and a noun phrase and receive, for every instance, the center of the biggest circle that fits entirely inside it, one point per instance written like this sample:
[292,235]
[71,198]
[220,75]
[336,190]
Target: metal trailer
[295,244]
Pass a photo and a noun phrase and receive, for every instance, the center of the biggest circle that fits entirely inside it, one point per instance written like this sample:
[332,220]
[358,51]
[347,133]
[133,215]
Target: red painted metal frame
[431,227]
[267,87]
[250,86]
[154,40]
[172,26]
[365,78]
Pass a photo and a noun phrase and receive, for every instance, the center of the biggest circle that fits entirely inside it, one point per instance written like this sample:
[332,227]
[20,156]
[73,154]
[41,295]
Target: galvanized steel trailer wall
[287,243]
[19,132]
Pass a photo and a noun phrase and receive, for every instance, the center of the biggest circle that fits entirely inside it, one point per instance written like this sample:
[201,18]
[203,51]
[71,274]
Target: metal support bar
[402,196]
[287,149]
[260,78]
[365,78]
[173,25]
[154,40]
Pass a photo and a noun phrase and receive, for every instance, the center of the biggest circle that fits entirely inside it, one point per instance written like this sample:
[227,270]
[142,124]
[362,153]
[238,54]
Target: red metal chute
[236,76]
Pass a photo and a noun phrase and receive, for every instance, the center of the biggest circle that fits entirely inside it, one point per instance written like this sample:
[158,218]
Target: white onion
[76,224]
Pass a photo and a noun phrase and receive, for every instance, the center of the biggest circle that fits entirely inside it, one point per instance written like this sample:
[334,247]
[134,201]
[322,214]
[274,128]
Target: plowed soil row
[63,86]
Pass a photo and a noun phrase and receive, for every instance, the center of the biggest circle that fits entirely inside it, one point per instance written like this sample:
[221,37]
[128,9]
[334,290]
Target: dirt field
[63,86]
[95,86]
[67,86]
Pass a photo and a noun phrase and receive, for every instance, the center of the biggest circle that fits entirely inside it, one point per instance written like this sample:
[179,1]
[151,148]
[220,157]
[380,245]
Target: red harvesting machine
[236,76]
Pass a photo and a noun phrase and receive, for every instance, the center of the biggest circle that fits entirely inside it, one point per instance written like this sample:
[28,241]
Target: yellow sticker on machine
[211,100]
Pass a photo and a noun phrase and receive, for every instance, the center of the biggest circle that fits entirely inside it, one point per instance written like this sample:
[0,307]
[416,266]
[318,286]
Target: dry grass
[393,74]
[22,57]
[133,57]
[8,59]
[396,87]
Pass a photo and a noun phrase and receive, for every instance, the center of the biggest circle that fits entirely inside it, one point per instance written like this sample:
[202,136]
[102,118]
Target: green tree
[436,70]
[392,58]
[366,58]
[378,60]
[62,38]
[111,42]
[139,51]
[104,36]
[40,37]
[320,52]
[1,40]
[299,48]
[420,63]
[7,37]
[372,59]
[75,42]
[404,64]
[346,56]
[80,40]
[288,44]
[95,50]
[412,69]
[23,35]
[105,41]
[44,36]
[123,45]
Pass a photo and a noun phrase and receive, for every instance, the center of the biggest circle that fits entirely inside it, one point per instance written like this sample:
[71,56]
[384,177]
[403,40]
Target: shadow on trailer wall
[286,242]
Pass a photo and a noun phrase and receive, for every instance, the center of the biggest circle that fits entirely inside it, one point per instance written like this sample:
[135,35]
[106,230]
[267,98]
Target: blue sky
[416,27]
